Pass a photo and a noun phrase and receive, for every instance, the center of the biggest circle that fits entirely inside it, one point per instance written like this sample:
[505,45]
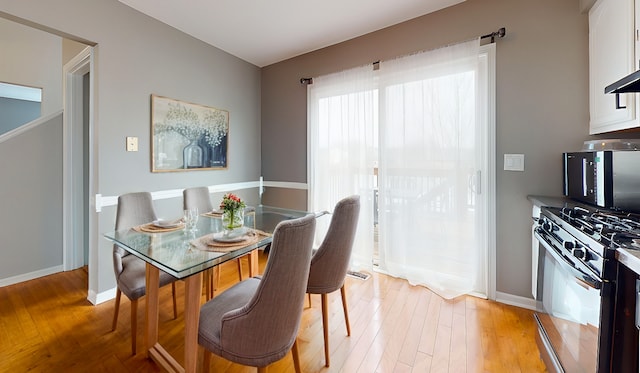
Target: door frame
[72,232]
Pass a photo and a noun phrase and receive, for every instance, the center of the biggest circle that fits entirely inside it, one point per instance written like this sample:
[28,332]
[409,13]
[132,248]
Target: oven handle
[581,278]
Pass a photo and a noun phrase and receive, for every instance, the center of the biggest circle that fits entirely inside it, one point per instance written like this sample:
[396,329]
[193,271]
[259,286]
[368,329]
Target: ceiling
[265,32]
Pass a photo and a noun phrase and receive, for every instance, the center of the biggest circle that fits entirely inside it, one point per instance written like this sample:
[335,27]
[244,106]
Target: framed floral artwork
[186,136]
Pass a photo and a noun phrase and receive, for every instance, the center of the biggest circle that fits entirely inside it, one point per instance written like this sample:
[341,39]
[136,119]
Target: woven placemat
[151,228]
[218,213]
[213,214]
[207,243]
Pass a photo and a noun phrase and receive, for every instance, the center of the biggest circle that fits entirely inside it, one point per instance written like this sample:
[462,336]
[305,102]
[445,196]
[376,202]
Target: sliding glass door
[422,122]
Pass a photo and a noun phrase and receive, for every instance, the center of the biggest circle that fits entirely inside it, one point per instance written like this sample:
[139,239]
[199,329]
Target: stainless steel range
[578,329]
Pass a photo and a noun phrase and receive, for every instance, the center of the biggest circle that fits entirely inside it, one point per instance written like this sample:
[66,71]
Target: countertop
[628,257]
[554,201]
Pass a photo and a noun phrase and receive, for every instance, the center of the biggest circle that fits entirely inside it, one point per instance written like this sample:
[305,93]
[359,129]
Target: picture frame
[187,136]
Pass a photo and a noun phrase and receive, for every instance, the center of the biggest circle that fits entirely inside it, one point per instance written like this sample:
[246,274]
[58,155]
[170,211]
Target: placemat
[151,228]
[218,213]
[206,243]
[213,214]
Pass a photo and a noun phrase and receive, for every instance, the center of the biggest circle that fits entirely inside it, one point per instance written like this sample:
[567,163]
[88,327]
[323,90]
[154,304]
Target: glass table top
[173,252]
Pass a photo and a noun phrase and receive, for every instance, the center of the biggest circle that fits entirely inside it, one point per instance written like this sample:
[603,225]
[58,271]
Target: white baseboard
[30,276]
[515,300]
[97,298]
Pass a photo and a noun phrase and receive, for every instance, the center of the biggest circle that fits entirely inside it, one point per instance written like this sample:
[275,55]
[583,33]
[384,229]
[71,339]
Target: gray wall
[22,62]
[137,56]
[15,113]
[31,163]
[70,49]
[542,103]
[30,223]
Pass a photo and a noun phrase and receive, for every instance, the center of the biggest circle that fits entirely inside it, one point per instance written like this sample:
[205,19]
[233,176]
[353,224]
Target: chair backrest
[330,263]
[197,197]
[133,209]
[268,323]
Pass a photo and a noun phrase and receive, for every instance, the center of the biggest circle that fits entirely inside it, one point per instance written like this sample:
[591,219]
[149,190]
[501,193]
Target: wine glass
[191,218]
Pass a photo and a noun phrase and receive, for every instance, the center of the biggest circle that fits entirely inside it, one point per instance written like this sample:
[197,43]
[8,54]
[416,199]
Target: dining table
[185,254]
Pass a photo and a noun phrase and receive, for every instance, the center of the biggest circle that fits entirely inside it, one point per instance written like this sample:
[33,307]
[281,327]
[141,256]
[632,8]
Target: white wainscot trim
[104,201]
[518,301]
[285,184]
[97,298]
[30,276]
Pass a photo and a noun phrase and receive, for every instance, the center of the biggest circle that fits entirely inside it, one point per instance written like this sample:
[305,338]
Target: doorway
[77,135]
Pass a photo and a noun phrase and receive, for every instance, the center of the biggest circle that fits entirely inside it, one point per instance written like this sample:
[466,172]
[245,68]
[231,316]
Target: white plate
[167,223]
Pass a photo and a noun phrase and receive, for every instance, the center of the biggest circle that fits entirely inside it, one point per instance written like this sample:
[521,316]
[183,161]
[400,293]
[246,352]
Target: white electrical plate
[132,144]
[514,162]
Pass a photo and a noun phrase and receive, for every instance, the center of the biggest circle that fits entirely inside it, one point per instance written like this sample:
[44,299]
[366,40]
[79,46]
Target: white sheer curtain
[342,132]
[431,154]
[421,120]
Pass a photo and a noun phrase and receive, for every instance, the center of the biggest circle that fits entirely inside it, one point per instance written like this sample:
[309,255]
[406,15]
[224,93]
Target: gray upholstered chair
[256,321]
[134,209]
[199,197]
[330,262]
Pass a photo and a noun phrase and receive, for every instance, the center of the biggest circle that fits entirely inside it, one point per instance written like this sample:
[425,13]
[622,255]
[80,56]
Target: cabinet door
[611,57]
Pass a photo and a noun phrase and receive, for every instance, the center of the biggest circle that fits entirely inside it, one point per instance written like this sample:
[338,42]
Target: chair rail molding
[105,201]
[26,127]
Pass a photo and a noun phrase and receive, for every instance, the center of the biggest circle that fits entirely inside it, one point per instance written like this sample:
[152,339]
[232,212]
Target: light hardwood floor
[47,325]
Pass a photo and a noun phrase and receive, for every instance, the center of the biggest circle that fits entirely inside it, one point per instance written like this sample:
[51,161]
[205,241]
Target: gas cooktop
[608,227]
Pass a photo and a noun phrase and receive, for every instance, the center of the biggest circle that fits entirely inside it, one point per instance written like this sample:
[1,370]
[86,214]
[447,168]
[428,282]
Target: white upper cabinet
[612,55]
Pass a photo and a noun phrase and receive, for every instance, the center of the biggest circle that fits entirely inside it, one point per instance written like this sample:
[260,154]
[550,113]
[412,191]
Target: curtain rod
[500,33]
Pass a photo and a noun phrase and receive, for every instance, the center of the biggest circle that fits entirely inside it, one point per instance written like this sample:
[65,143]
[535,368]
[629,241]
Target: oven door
[568,335]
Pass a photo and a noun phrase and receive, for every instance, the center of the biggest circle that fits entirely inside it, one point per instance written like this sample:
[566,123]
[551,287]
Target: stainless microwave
[606,178]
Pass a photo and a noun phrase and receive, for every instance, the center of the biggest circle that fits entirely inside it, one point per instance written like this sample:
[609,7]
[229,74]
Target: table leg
[193,289]
[253,263]
[155,351]
[151,319]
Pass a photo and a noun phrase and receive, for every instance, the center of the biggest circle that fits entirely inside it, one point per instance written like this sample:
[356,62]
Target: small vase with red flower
[232,211]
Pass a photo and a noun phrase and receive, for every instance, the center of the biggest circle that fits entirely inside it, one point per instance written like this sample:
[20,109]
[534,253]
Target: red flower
[231,202]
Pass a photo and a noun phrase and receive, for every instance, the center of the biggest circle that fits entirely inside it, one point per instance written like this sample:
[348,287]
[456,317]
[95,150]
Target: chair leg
[325,327]
[344,308]
[262,369]
[296,356]
[239,262]
[175,307]
[117,310]
[134,325]
[206,361]
[309,298]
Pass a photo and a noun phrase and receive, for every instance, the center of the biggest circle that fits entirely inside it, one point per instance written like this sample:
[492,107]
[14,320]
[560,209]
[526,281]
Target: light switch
[132,144]
[514,162]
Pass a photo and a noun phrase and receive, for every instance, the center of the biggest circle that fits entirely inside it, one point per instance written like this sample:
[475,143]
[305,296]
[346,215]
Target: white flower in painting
[215,122]
[186,122]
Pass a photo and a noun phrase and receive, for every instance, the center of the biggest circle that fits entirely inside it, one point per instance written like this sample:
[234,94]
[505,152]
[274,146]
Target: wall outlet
[132,144]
